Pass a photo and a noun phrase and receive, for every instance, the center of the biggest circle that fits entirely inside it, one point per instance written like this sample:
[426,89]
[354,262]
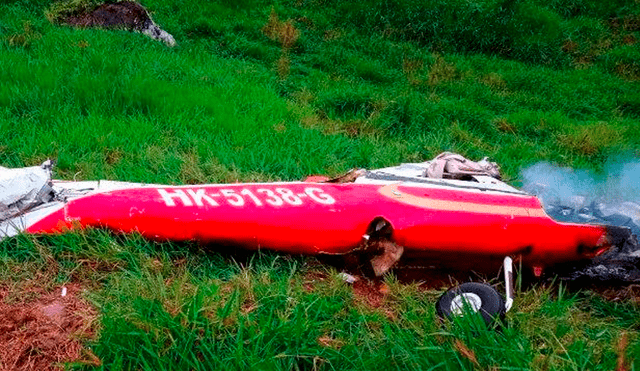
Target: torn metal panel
[20,223]
[416,173]
[23,189]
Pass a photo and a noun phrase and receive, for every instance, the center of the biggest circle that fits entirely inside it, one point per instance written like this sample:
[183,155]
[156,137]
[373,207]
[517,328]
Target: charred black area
[618,266]
[618,236]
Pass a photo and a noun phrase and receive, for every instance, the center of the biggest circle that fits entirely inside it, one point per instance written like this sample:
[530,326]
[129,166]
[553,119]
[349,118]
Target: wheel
[474,297]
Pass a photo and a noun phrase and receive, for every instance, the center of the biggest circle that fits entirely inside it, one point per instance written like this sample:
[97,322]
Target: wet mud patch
[43,330]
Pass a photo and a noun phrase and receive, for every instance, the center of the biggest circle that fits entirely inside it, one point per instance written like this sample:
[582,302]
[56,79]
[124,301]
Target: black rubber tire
[492,307]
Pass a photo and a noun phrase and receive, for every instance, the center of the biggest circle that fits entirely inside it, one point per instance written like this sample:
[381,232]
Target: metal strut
[508,282]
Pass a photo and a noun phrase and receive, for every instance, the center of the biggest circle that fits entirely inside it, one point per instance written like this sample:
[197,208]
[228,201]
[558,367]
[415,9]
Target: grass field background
[259,91]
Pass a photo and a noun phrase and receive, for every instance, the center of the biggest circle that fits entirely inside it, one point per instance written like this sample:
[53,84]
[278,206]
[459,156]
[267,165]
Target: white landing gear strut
[508,282]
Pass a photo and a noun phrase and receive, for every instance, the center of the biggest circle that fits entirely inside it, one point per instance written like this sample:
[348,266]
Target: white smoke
[610,197]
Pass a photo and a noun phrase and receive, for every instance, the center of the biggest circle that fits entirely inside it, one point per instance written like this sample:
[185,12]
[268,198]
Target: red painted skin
[326,218]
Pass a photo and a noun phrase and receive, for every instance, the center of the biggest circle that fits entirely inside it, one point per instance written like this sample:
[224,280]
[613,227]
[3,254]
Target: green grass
[175,306]
[229,99]
[258,91]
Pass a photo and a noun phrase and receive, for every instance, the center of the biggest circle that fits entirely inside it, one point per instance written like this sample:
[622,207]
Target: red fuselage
[325,218]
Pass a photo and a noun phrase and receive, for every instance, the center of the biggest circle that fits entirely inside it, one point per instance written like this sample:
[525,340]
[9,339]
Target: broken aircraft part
[23,189]
[388,213]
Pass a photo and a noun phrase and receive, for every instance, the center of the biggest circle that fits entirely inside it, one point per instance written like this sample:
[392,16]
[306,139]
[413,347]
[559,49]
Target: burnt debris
[619,265]
[611,198]
[595,212]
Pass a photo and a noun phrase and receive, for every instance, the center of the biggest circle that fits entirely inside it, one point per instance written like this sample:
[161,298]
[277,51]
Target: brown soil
[621,349]
[371,292]
[125,14]
[617,294]
[43,330]
[311,278]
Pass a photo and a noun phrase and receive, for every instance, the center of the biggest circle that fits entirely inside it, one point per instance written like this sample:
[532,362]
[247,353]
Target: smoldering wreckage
[451,212]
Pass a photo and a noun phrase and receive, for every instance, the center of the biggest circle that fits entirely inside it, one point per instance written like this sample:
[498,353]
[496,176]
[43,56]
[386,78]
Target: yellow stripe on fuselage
[391,191]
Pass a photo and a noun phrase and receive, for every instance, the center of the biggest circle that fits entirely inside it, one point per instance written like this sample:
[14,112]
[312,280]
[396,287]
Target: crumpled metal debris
[623,214]
[454,166]
[24,188]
